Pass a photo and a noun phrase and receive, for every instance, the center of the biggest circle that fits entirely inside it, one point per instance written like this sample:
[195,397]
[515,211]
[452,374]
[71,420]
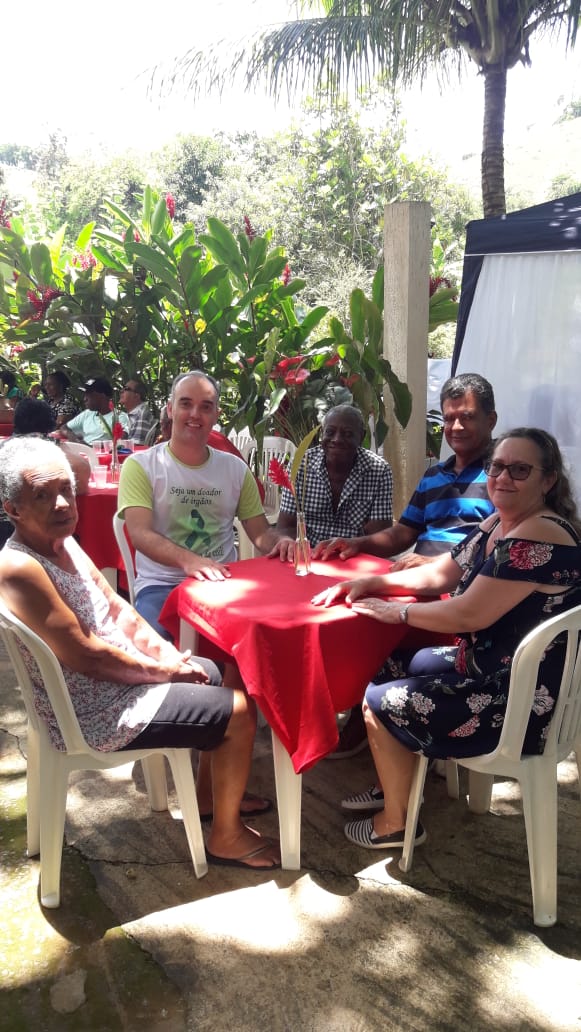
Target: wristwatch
[403,613]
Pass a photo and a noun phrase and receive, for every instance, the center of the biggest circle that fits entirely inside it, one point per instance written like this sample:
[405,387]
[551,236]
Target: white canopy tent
[520,319]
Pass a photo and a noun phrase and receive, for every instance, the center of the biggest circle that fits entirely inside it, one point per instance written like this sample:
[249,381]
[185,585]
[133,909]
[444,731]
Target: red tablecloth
[301,663]
[94,530]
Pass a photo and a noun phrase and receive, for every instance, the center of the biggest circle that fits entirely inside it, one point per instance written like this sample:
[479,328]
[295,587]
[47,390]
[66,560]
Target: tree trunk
[492,163]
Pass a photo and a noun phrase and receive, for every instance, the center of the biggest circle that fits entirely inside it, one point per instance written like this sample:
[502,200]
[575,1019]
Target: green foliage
[400,40]
[563,185]
[144,301]
[18,155]
[187,168]
[571,111]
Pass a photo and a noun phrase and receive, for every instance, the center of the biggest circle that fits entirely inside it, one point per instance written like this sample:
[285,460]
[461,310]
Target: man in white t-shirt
[179,500]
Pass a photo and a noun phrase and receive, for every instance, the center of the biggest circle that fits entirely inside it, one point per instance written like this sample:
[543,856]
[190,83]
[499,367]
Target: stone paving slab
[348,943]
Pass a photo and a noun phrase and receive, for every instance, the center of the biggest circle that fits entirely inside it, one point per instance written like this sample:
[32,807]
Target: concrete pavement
[348,943]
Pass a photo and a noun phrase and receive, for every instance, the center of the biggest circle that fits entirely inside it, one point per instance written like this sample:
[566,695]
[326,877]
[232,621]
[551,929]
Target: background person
[11,391]
[33,417]
[141,418]
[146,692]
[58,394]
[95,423]
[348,489]
[518,568]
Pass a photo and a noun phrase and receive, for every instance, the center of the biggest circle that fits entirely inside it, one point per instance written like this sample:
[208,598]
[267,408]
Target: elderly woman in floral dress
[518,568]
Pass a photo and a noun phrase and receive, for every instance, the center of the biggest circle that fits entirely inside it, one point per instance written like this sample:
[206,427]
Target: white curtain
[524,335]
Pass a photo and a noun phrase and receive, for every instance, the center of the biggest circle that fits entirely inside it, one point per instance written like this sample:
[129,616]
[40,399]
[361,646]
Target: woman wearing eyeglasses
[518,568]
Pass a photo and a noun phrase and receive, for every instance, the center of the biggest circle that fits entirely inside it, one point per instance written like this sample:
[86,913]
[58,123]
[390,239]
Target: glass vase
[302,548]
[114,467]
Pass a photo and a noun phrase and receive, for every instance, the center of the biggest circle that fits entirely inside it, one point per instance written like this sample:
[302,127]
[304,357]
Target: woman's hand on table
[380,609]
[347,591]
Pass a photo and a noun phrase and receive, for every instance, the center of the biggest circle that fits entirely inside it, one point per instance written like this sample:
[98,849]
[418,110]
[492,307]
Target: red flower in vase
[117,432]
[278,474]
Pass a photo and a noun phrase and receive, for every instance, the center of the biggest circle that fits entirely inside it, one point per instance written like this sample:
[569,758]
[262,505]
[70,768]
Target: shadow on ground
[348,943]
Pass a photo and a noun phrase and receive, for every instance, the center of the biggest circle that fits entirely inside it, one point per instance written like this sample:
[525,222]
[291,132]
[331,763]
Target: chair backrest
[81,449]
[274,448]
[247,448]
[120,532]
[565,726]
[51,673]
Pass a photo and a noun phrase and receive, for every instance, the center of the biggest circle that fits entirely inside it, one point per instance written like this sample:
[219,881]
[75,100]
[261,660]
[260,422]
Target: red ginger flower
[296,377]
[250,232]
[86,260]
[278,474]
[41,300]
[286,275]
[348,381]
[285,364]
[438,281]
[170,205]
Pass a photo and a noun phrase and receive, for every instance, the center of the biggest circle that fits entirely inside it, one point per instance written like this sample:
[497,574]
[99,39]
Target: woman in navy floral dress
[521,566]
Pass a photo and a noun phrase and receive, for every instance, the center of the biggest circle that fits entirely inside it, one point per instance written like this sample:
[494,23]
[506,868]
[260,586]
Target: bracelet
[403,613]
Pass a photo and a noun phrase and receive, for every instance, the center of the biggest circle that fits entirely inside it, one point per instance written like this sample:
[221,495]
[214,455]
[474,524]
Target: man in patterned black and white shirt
[348,490]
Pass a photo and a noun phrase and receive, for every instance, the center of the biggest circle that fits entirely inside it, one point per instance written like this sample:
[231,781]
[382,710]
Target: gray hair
[20,455]
[351,412]
[194,372]
[474,383]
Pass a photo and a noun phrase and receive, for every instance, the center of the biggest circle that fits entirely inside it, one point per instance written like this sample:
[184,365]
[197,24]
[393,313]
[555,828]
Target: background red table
[94,530]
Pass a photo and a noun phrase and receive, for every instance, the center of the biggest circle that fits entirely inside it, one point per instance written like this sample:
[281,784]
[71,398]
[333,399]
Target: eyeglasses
[515,470]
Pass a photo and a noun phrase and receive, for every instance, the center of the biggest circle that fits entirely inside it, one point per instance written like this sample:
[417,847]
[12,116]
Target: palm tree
[354,40]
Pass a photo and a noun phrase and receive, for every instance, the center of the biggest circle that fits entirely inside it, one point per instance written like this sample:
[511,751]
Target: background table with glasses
[94,530]
[302,664]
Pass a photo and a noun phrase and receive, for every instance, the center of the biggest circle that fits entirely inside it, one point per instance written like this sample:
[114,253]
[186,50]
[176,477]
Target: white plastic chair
[119,530]
[48,769]
[274,448]
[81,449]
[537,775]
[246,549]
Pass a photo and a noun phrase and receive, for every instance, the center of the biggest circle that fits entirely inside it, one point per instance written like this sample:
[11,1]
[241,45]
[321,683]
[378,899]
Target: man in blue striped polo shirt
[450,500]
[451,497]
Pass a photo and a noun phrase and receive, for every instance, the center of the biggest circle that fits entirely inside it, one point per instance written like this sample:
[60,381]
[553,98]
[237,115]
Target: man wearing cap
[141,418]
[91,425]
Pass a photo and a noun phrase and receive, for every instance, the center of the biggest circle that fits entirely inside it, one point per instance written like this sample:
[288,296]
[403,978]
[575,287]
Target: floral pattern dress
[453,699]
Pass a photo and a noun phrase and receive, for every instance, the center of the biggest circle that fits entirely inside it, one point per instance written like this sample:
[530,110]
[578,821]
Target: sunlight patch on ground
[261,918]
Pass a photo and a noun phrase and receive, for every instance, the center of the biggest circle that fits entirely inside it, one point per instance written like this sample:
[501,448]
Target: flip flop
[225,861]
[257,812]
